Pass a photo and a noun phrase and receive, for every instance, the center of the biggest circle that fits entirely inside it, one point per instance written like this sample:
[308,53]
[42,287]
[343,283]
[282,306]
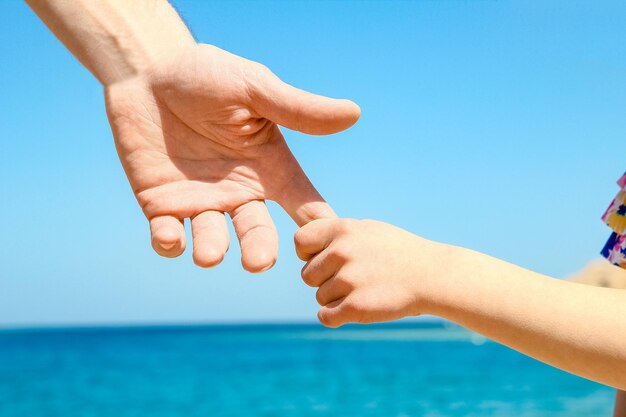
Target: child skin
[367,271]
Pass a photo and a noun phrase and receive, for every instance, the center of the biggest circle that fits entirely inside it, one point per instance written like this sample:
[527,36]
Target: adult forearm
[578,328]
[115,39]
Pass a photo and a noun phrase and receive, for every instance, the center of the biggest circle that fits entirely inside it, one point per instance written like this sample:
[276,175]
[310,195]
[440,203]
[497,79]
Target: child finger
[313,238]
[337,313]
[332,290]
[319,269]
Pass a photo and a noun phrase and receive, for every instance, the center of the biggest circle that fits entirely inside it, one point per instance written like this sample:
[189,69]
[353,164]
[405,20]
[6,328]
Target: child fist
[366,271]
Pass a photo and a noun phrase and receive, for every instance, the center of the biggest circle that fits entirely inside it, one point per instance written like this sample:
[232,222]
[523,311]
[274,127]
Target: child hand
[366,271]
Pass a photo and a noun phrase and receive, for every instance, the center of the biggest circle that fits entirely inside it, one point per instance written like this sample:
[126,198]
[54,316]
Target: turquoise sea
[397,370]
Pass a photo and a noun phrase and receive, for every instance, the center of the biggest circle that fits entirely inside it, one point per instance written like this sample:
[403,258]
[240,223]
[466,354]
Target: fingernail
[167,246]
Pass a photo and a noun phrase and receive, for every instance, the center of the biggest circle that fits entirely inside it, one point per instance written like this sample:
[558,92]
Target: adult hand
[197,136]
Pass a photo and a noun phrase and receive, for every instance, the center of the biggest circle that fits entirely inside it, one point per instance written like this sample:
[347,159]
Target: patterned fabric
[615,218]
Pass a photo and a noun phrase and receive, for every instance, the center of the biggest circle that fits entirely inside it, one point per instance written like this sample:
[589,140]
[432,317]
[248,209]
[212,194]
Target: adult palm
[197,136]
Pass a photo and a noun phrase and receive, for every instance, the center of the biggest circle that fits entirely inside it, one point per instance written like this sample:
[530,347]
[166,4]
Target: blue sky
[496,125]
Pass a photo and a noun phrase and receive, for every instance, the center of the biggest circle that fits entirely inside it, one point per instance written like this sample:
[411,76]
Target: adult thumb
[300,110]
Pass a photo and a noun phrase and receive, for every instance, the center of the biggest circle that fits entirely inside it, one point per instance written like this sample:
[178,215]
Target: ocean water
[291,370]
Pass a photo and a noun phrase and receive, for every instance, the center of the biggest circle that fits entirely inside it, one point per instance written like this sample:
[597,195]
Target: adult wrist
[115,39]
[146,34]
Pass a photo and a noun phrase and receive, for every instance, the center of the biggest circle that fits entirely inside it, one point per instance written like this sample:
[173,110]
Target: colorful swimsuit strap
[615,218]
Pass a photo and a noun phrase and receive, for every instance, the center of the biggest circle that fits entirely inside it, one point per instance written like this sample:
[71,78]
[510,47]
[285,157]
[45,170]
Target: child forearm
[369,271]
[115,39]
[577,328]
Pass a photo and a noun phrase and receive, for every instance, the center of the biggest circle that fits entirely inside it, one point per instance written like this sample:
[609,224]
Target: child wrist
[433,291]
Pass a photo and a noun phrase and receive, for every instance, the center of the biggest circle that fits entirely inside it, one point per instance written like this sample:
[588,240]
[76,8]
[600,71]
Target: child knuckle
[308,275]
[344,226]
[324,318]
[340,252]
[319,297]
[355,308]
[344,281]
[298,239]
[369,222]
